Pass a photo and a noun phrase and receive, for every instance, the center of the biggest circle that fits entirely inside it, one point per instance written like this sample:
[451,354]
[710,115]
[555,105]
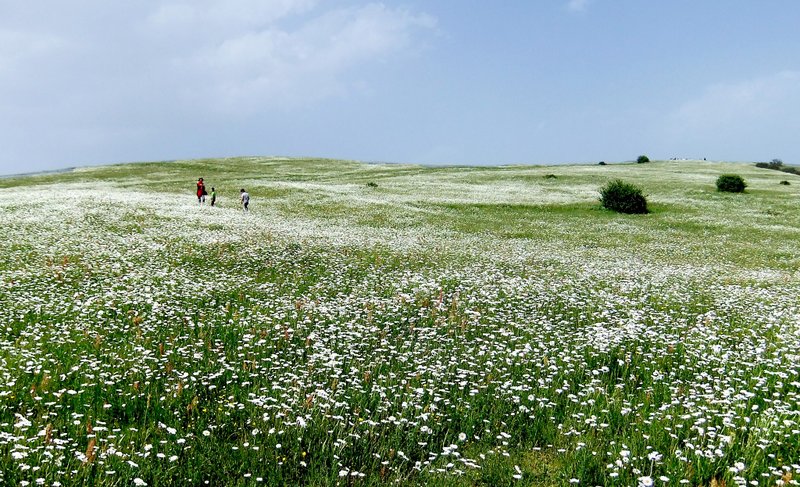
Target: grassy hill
[366,324]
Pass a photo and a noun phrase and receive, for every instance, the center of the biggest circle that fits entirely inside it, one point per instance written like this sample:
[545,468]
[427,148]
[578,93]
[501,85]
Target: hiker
[213,195]
[245,200]
[201,191]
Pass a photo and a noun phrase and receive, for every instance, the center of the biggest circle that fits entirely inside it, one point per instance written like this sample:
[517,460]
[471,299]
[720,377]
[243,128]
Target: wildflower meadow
[371,324]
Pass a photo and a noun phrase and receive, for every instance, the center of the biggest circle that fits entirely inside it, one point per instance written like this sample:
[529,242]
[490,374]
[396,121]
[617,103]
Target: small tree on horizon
[642,159]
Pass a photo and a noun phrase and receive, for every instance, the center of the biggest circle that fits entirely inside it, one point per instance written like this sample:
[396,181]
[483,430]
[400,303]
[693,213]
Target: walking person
[201,191]
[213,196]
[245,197]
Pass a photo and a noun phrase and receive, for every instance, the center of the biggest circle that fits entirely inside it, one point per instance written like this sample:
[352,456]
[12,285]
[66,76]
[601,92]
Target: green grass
[449,326]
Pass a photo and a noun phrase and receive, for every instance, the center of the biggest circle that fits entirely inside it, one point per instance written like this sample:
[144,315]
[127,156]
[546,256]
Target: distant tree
[642,159]
[777,165]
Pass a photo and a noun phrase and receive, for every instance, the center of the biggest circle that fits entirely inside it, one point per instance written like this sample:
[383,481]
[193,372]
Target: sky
[431,82]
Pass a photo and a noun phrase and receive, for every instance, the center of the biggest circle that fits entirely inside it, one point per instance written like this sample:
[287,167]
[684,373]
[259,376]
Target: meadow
[370,324]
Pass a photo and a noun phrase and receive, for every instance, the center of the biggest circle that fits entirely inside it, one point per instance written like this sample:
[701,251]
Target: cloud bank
[241,55]
[90,75]
[760,98]
[748,118]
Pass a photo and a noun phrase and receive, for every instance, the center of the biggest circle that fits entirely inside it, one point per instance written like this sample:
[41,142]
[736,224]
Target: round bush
[642,159]
[623,197]
[731,183]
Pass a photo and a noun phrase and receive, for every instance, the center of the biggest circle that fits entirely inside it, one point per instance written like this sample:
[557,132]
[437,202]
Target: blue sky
[452,82]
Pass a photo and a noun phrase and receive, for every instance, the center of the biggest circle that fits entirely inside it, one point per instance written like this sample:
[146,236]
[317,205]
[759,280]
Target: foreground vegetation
[367,324]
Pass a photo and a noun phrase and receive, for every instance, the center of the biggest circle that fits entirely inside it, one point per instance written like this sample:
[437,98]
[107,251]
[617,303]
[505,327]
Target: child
[245,200]
[213,195]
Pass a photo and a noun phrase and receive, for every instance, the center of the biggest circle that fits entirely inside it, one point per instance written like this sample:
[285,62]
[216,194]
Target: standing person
[213,195]
[201,191]
[245,200]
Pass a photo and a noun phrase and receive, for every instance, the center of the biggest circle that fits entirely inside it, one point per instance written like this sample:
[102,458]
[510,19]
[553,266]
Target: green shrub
[642,159]
[785,183]
[550,176]
[372,184]
[731,183]
[778,165]
[623,197]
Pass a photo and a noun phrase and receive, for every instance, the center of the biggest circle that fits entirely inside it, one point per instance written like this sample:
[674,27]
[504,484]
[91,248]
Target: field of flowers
[374,324]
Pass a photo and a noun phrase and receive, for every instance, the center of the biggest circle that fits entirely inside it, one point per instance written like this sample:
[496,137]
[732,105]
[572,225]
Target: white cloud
[230,14]
[578,5]
[752,100]
[276,65]
[210,54]
[20,46]
[743,120]
[88,81]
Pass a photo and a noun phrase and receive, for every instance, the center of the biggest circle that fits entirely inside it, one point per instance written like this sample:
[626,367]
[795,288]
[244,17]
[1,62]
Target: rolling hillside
[365,324]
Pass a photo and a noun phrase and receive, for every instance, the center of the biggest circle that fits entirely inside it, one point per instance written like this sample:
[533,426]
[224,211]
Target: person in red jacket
[201,191]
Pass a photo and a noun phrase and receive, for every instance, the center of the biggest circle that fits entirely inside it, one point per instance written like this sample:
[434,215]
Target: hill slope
[376,323]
